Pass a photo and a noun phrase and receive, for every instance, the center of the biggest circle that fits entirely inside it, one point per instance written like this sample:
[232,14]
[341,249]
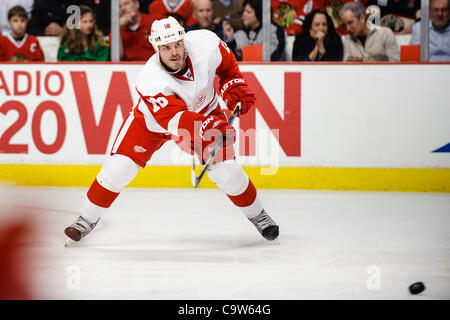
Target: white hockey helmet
[165,31]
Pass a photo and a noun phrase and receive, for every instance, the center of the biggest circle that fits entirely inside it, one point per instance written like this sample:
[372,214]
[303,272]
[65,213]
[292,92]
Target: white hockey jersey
[166,98]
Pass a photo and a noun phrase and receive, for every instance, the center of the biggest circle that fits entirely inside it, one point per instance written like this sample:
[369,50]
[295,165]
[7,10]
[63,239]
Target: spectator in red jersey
[183,8]
[18,45]
[318,40]
[134,31]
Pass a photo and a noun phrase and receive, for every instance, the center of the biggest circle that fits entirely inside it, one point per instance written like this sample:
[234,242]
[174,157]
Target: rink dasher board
[315,126]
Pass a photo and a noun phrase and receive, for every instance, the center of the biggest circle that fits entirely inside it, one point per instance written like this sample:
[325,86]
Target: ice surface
[193,244]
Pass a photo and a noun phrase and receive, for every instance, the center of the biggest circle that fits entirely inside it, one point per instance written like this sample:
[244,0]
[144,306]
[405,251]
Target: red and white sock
[97,200]
[229,177]
[116,173]
[248,201]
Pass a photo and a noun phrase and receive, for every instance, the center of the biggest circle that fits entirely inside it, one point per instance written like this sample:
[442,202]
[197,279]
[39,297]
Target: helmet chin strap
[167,68]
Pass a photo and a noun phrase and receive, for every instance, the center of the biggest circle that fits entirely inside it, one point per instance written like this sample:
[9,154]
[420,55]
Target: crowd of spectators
[318,30]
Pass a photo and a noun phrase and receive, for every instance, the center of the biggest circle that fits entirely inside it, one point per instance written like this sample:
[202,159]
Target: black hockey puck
[416,287]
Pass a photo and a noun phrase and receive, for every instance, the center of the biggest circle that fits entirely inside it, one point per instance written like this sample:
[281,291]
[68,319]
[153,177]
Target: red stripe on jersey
[228,68]
[246,198]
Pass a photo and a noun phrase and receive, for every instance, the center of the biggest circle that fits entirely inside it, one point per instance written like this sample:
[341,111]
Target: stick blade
[194,179]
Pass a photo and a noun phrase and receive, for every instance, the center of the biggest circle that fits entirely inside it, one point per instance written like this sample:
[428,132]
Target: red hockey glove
[237,90]
[215,127]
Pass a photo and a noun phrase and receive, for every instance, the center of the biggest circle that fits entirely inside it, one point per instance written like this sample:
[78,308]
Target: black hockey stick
[196,180]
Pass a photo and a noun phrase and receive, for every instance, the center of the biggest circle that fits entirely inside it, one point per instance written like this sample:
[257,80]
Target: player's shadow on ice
[194,249]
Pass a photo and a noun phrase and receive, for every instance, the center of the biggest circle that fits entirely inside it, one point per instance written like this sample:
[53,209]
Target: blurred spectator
[229,12]
[251,35]
[318,40]
[290,14]
[203,12]
[5,5]
[366,42]
[333,7]
[404,8]
[48,17]
[18,45]
[83,42]
[102,11]
[439,41]
[134,31]
[183,8]
[398,15]
[2,51]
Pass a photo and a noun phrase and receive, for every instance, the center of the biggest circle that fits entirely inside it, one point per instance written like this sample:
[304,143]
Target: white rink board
[351,115]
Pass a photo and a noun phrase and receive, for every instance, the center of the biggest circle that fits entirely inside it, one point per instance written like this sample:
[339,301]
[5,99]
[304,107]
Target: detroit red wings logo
[199,100]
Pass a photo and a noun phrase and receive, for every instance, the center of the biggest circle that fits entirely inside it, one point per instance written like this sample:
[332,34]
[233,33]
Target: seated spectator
[203,13]
[318,40]
[183,8]
[83,42]
[5,5]
[251,35]
[366,42]
[439,33]
[228,12]
[290,14]
[333,7]
[18,45]
[134,31]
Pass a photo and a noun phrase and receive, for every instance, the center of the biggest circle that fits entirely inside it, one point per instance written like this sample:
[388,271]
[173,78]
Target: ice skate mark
[38,209]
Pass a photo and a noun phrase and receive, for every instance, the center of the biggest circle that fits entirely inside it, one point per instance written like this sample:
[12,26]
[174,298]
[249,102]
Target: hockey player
[177,99]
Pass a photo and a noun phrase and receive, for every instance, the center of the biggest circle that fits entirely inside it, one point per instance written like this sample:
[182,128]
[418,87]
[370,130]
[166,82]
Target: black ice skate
[79,228]
[265,225]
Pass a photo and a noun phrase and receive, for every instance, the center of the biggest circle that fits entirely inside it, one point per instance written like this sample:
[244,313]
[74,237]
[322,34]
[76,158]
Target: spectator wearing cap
[366,42]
